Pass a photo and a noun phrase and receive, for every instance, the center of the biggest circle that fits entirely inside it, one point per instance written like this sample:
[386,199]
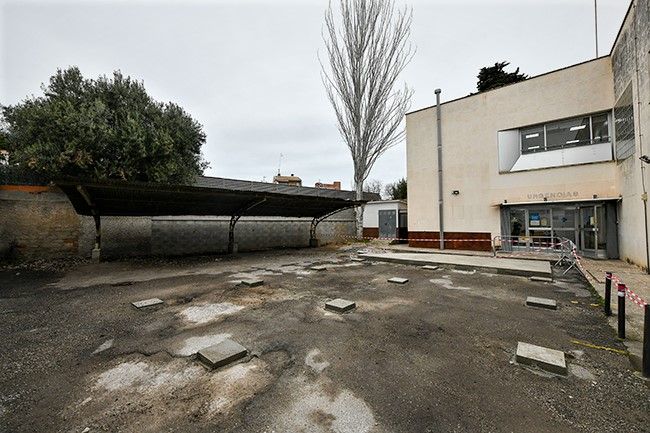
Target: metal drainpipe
[440,207]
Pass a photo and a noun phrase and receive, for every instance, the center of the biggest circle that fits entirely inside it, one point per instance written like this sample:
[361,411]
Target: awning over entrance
[538,202]
[207,196]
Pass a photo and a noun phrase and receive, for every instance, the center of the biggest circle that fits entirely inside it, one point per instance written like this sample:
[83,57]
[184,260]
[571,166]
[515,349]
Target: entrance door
[387,223]
[593,231]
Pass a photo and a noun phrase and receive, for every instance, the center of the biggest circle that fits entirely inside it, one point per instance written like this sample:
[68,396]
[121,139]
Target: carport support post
[621,310]
[96,252]
[232,247]
[608,293]
[313,240]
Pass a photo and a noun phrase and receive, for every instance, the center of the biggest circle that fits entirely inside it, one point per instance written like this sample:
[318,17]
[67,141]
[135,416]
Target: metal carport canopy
[207,196]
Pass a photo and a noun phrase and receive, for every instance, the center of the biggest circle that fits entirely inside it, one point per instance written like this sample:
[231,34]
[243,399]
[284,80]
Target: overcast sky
[248,70]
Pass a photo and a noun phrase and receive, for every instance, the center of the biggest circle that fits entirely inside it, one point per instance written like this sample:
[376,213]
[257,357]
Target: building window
[532,139]
[624,125]
[578,131]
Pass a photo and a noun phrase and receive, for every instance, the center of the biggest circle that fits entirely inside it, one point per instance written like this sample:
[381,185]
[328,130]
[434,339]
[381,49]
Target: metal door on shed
[387,223]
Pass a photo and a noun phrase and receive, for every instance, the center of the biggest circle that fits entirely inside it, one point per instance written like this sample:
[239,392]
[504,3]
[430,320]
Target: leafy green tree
[397,190]
[491,77]
[104,128]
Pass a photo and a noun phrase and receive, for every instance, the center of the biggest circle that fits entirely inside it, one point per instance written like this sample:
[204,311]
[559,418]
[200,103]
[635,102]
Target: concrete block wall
[37,223]
[196,235]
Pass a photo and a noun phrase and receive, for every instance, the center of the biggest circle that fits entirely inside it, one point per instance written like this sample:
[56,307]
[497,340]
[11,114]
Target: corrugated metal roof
[207,196]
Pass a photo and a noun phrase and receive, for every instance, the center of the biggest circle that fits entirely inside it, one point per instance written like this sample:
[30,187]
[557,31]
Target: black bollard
[608,293]
[646,340]
[621,310]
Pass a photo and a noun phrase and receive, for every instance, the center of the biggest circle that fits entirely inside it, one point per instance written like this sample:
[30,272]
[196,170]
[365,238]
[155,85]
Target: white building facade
[555,156]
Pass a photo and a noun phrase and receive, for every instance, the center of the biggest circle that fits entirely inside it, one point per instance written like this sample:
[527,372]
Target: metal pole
[441,230]
[621,310]
[644,197]
[646,340]
[596,23]
[608,293]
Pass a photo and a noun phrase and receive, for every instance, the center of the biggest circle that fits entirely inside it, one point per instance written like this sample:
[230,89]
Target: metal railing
[531,244]
[561,250]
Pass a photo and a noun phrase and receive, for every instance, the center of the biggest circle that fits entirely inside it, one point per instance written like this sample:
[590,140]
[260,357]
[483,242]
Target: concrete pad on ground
[542,279]
[549,304]
[222,353]
[537,356]
[318,268]
[398,280]
[499,265]
[340,305]
[147,303]
[252,282]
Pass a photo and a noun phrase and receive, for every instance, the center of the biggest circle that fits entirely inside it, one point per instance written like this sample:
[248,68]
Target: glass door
[564,224]
[517,230]
[539,227]
[588,230]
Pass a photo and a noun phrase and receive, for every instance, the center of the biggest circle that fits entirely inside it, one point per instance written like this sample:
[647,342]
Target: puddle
[447,284]
[201,314]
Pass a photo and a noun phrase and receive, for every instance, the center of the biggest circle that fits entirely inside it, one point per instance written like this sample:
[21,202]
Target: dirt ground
[433,355]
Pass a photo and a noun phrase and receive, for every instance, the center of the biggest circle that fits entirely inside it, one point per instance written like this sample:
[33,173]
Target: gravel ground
[433,355]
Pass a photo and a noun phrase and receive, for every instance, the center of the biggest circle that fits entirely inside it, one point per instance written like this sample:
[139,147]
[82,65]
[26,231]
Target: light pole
[596,24]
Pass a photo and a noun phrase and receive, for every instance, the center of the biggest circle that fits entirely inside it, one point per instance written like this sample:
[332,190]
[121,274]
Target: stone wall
[40,222]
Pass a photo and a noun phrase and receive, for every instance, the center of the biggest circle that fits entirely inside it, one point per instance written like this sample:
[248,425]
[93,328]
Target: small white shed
[385,219]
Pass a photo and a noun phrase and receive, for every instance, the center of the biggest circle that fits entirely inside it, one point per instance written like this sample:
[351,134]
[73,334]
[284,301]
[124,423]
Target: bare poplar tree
[367,48]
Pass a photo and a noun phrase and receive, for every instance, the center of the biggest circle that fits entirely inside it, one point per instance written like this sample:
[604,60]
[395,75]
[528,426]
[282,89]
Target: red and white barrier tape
[638,300]
[539,245]
[418,239]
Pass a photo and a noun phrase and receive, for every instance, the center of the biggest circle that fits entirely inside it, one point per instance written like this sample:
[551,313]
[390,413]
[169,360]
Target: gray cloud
[248,70]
